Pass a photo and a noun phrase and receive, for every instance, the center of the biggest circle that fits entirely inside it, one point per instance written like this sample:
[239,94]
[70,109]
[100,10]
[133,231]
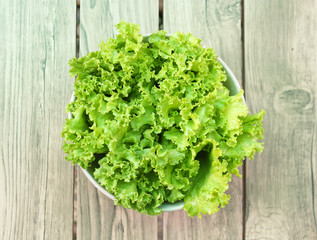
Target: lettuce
[153,118]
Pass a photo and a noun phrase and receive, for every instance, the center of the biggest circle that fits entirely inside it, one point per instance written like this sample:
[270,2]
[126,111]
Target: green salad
[155,119]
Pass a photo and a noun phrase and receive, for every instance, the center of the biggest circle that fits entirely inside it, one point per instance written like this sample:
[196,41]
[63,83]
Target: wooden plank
[36,183]
[218,24]
[281,50]
[98,218]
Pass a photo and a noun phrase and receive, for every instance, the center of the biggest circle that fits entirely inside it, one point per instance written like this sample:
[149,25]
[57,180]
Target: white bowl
[232,84]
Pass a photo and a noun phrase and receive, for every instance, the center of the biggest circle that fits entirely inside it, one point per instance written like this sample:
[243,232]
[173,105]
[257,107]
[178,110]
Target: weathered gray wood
[281,73]
[98,218]
[218,24]
[36,183]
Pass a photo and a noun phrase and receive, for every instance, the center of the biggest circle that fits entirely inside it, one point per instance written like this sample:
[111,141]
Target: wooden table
[271,46]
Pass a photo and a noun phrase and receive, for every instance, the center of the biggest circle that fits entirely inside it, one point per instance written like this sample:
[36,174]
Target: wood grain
[281,73]
[218,24]
[98,218]
[36,183]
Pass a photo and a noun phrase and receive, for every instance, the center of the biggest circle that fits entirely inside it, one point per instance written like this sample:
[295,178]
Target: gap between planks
[75,182]
[244,168]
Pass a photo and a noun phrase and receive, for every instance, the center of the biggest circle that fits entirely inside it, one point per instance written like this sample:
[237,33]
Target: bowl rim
[233,86]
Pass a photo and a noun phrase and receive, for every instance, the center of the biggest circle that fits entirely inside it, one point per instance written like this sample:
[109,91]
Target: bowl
[232,84]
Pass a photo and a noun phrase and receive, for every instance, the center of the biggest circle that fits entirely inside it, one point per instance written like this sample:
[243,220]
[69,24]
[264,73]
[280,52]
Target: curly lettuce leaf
[207,191]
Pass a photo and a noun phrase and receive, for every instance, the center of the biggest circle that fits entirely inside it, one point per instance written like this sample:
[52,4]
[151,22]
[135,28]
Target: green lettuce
[154,118]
